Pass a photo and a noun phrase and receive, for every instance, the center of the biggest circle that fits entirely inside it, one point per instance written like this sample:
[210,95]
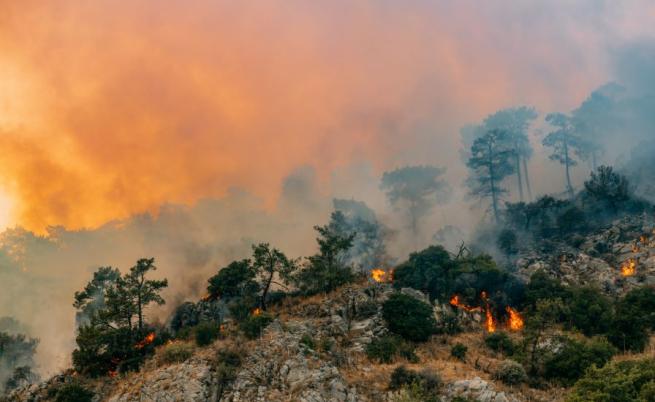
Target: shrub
[458,351]
[176,352]
[500,342]
[408,317]
[590,311]
[308,341]
[367,309]
[206,333]
[511,373]
[383,349]
[449,324]
[571,361]
[253,326]
[227,363]
[623,381]
[420,386]
[73,393]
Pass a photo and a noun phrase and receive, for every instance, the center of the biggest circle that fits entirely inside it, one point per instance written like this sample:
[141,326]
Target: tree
[409,317]
[607,187]
[326,270]
[144,291]
[416,188]
[235,280]
[515,122]
[618,381]
[426,270]
[268,262]
[564,142]
[507,242]
[489,164]
[92,297]
[16,351]
[369,249]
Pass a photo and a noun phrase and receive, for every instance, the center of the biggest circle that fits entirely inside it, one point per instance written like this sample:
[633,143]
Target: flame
[635,248]
[146,341]
[489,323]
[379,275]
[515,320]
[454,301]
[643,240]
[256,312]
[205,297]
[629,267]
[112,373]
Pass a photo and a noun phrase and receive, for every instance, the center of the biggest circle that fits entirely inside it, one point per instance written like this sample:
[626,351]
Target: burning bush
[409,317]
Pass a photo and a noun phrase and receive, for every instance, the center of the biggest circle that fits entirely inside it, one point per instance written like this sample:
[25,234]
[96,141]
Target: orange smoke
[147,102]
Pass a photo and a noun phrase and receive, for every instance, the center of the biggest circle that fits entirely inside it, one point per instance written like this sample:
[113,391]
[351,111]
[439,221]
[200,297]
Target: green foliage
[235,280]
[73,393]
[16,354]
[253,326]
[622,381]
[449,324]
[366,309]
[267,263]
[176,352]
[543,287]
[385,349]
[308,341]
[574,357]
[500,342]
[112,340]
[92,297]
[206,333]
[227,363]
[422,386]
[458,351]
[507,242]
[510,373]
[607,187]
[408,317]
[427,271]
[21,376]
[326,270]
[590,311]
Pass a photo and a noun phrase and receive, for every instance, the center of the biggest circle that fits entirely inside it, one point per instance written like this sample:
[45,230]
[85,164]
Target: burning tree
[116,338]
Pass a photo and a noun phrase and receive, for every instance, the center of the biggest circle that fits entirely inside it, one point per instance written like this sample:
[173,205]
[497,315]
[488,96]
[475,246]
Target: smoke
[187,130]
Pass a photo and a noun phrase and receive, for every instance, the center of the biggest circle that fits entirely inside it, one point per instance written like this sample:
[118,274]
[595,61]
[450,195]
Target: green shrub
[176,352]
[500,342]
[73,393]
[308,341]
[449,324]
[253,326]
[409,317]
[571,361]
[510,373]
[206,333]
[590,311]
[422,386]
[367,309]
[227,363]
[458,351]
[325,344]
[386,348]
[623,381]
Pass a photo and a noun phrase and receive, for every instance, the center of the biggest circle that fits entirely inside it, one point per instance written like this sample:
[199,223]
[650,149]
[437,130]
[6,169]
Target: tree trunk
[517,160]
[569,188]
[494,196]
[266,288]
[527,179]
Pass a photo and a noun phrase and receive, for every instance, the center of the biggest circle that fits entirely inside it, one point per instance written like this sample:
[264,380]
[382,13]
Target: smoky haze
[186,131]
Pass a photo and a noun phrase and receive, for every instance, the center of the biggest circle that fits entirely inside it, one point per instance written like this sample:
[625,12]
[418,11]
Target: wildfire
[629,267]
[146,341]
[454,301]
[515,320]
[112,373]
[489,323]
[380,275]
[635,248]
[256,312]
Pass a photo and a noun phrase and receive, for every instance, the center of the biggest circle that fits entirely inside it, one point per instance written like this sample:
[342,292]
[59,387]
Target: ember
[257,312]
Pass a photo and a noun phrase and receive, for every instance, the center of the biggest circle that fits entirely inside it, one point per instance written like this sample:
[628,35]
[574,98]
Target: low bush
[409,317]
[458,351]
[420,386]
[73,393]
[510,373]
[253,326]
[206,333]
[308,341]
[176,352]
[367,309]
[227,363]
[623,381]
[500,342]
[574,357]
[386,348]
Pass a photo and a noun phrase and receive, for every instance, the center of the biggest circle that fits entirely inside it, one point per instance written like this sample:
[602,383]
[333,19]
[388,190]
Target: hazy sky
[109,107]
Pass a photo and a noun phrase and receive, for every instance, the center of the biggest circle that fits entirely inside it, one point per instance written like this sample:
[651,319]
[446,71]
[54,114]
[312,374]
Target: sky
[186,130]
[110,108]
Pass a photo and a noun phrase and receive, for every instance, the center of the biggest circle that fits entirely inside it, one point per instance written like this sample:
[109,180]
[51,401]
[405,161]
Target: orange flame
[629,267]
[643,240]
[146,341]
[256,312]
[490,324]
[112,373]
[378,275]
[515,319]
[454,301]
